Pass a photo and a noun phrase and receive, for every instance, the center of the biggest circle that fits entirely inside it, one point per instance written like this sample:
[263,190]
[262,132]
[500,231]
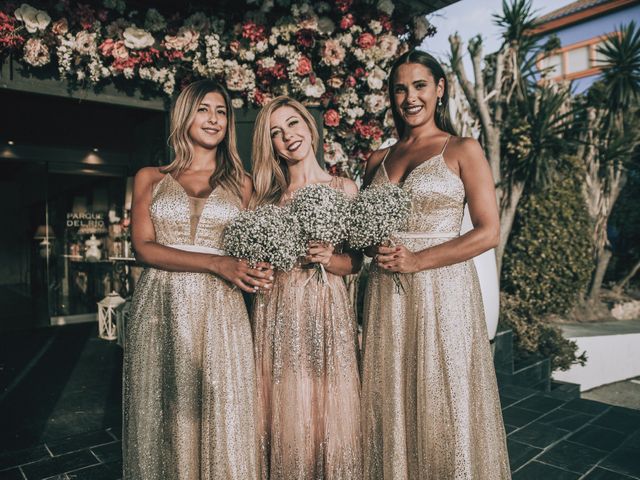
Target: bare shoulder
[349,187]
[375,158]
[147,177]
[464,147]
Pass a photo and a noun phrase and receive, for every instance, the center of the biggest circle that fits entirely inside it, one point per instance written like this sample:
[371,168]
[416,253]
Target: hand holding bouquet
[268,234]
[323,215]
[376,214]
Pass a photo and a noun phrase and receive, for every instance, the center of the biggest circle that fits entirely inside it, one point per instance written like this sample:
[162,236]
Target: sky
[472,17]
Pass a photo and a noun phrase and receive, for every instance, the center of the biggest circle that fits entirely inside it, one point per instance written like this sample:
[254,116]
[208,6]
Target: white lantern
[109,308]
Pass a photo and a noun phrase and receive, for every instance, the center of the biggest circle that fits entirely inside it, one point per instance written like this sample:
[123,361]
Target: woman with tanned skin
[189,378]
[430,405]
[304,329]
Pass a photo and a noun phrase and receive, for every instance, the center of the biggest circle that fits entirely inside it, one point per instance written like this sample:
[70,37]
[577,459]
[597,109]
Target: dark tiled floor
[60,418]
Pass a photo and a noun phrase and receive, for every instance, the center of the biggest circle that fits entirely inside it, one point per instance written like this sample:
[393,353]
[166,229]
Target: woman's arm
[481,198]
[153,254]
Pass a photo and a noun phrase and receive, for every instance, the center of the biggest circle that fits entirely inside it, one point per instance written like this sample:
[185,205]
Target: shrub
[548,265]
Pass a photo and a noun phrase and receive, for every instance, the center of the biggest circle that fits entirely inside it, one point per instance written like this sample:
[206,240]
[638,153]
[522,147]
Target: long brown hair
[442,118]
[229,171]
[269,172]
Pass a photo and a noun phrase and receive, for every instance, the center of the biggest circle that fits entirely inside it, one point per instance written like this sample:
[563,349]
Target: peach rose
[331,118]
[366,40]
[304,66]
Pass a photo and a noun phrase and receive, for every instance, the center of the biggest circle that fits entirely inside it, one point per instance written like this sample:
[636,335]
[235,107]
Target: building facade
[580,27]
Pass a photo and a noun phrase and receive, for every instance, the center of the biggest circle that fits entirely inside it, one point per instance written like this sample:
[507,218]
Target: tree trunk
[507,216]
[602,262]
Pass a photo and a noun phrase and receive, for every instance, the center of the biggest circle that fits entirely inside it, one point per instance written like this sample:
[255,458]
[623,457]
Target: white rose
[237,103]
[386,6]
[376,79]
[374,103]
[247,55]
[32,18]
[375,26]
[313,90]
[388,45]
[261,46]
[137,38]
[85,43]
[420,27]
[36,53]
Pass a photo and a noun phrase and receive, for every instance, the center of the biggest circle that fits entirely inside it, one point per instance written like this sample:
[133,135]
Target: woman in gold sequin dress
[430,405]
[189,378]
[304,329]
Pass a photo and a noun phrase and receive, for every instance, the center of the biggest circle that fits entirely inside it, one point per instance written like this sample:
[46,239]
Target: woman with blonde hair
[189,379]
[304,330]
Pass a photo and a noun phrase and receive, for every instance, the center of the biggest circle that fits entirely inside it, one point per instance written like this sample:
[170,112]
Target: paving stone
[540,403]
[519,453]
[572,456]
[11,474]
[619,418]
[586,406]
[510,428]
[79,442]
[58,465]
[111,452]
[623,460]
[20,457]
[109,471]
[568,420]
[516,392]
[518,417]
[538,435]
[507,401]
[602,474]
[598,437]
[540,471]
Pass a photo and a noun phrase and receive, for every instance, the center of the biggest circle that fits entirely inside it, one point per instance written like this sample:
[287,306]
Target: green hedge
[547,266]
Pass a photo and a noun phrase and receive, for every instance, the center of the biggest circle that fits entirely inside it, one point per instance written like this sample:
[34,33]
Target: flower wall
[334,54]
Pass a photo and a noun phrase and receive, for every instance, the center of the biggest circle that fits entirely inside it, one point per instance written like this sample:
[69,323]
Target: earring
[439,101]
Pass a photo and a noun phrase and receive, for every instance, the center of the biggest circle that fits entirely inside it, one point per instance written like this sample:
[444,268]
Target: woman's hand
[238,272]
[397,259]
[318,252]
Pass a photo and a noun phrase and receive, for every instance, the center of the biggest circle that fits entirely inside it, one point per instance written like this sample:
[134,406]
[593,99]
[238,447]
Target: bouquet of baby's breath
[267,234]
[323,214]
[376,214]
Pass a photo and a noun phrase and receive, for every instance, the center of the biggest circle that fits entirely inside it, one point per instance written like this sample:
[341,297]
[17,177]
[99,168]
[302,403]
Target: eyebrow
[218,105]
[292,116]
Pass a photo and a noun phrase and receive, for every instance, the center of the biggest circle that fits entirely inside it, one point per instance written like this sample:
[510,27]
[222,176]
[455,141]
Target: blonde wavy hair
[269,172]
[229,171]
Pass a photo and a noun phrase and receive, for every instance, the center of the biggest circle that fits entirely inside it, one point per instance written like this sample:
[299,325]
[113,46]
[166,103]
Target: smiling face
[416,93]
[209,126]
[290,135]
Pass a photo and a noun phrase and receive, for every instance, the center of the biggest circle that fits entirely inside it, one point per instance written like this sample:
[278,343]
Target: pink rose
[60,27]
[366,40]
[304,66]
[331,118]
[347,21]
[351,81]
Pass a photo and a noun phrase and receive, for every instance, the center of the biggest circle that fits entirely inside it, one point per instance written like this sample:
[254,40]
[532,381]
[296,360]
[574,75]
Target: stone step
[533,373]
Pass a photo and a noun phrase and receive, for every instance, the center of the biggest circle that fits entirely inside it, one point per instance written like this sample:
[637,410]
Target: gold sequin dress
[430,405]
[308,382]
[189,378]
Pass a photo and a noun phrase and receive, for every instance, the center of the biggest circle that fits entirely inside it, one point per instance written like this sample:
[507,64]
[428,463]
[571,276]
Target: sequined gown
[308,382]
[189,381]
[430,404]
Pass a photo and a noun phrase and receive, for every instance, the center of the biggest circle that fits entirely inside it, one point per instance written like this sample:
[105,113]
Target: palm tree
[521,122]
[609,137]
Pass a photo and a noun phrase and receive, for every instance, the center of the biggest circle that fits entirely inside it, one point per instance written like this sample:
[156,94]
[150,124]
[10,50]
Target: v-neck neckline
[407,176]
[188,197]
